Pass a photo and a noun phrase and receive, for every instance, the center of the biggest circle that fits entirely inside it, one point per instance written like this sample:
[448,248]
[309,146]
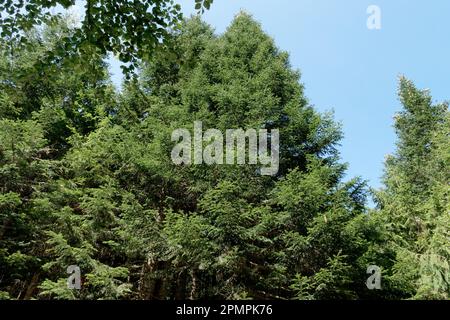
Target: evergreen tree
[415,203]
[259,230]
[87,180]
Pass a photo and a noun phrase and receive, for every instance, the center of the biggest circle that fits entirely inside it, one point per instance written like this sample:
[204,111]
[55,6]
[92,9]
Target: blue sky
[350,69]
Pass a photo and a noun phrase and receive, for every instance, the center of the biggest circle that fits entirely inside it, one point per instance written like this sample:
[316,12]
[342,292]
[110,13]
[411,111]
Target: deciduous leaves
[131,30]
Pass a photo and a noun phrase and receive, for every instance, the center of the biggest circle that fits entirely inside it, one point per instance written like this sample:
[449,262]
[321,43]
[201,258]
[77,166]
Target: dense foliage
[131,30]
[86,179]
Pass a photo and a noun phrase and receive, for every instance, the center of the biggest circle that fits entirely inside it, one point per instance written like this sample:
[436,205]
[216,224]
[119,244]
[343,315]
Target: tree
[259,230]
[66,95]
[22,169]
[87,180]
[414,205]
[139,226]
[131,30]
[43,107]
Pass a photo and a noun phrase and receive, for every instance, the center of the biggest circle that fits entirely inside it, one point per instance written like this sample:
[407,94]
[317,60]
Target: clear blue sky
[350,69]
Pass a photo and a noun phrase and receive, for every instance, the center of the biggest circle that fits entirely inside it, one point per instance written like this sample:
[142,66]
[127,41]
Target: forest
[87,180]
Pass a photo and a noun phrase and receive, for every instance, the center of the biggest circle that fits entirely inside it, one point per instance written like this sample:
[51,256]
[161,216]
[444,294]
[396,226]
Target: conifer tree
[415,202]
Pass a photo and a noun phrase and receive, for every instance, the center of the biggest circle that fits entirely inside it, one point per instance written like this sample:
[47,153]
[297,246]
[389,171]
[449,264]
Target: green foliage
[415,204]
[131,30]
[86,177]
[327,283]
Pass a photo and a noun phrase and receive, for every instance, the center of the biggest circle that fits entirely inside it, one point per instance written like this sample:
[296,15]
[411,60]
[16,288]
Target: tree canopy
[131,30]
[87,180]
